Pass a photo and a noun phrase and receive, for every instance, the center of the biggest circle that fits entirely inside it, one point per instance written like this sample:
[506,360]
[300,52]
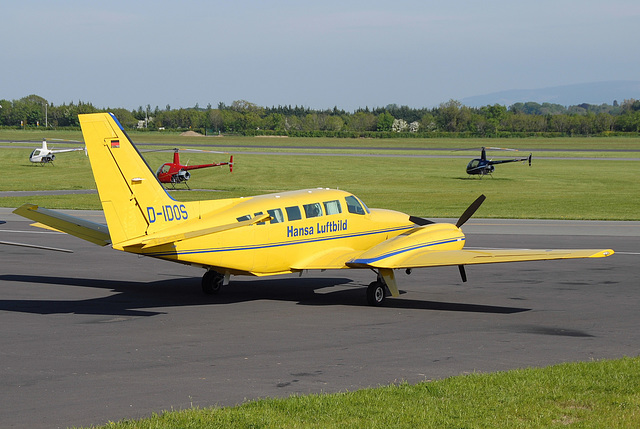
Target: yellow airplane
[286,232]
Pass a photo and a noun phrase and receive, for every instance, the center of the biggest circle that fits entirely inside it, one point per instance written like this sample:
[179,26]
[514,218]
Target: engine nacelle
[392,252]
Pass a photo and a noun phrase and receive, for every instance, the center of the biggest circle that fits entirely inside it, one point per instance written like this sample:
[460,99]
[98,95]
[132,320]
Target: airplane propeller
[470,210]
[465,217]
[461,221]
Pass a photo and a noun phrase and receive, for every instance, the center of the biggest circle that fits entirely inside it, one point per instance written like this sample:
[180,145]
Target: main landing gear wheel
[212,282]
[376,293]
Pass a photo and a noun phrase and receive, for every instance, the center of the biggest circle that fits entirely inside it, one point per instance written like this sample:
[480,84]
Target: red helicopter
[174,172]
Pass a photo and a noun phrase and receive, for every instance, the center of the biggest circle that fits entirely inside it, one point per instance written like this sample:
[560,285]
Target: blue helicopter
[483,166]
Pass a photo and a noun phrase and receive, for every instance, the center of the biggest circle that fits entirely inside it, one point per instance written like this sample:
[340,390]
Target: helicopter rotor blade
[501,148]
[485,147]
[470,210]
[202,150]
[175,149]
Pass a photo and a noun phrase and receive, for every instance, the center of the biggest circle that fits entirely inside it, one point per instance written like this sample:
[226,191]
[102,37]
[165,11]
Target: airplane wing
[84,229]
[419,259]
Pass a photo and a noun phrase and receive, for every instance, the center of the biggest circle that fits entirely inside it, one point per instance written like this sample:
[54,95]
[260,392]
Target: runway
[101,335]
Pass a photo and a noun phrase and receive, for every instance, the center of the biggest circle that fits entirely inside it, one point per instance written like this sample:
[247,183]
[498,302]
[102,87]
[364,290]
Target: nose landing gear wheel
[212,282]
[376,293]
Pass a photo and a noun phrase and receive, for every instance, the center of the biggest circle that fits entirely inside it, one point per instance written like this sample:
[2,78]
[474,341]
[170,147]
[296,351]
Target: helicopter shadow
[144,299]
[488,177]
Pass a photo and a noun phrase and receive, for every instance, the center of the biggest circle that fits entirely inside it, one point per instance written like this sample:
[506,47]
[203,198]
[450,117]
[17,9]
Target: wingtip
[603,253]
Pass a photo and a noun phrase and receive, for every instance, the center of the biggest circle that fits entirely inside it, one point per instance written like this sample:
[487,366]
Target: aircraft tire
[375,293]
[212,282]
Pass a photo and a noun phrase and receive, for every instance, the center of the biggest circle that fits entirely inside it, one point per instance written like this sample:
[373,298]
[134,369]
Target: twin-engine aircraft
[286,232]
[44,155]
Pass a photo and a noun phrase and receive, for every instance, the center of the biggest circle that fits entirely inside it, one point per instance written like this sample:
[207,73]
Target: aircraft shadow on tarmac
[131,298]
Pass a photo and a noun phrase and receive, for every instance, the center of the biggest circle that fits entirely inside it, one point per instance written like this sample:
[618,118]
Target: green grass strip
[602,394]
[552,188]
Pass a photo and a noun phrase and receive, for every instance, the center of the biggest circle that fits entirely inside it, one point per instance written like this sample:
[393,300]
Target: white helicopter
[44,155]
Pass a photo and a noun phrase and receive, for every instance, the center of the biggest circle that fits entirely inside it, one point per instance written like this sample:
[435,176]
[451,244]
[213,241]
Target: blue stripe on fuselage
[280,244]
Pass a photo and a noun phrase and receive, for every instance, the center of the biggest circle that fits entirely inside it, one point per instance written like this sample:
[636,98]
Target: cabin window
[293,213]
[243,218]
[312,210]
[332,207]
[354,206]
[276,215]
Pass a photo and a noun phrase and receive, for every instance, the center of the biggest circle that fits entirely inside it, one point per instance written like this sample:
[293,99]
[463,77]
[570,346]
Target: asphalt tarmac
[99,335]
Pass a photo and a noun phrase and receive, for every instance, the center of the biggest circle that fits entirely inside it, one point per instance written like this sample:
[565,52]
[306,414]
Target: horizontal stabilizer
[166,238]
[81,228]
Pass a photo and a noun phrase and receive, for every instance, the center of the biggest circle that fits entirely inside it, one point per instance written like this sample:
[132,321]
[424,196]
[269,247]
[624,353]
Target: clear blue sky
[344,53]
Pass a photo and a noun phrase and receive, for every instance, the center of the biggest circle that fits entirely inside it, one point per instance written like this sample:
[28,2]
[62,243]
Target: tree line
[451,118]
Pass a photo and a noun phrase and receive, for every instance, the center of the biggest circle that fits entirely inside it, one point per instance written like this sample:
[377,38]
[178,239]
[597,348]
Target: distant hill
[568,95]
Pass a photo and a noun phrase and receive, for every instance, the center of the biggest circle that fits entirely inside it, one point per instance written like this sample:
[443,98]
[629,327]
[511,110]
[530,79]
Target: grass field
[166,137]
[552,188]
[604,394]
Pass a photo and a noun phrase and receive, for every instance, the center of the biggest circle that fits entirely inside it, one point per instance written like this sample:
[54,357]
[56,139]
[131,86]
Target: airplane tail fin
[129,190]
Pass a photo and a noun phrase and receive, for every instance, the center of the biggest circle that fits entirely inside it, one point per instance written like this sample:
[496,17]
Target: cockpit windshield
[355,206]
